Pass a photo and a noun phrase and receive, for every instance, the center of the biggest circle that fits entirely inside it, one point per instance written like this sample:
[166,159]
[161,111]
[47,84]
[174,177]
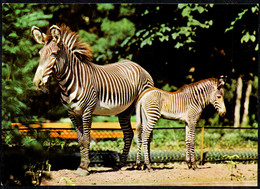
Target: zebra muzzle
[41,86]
[222,113]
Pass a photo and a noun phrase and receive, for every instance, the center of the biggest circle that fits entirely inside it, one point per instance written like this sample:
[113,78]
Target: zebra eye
[219,97]
[53,54]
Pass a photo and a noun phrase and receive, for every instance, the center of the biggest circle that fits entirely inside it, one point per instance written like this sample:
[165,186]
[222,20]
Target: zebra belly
[109,109]
[175,116]
[100,109]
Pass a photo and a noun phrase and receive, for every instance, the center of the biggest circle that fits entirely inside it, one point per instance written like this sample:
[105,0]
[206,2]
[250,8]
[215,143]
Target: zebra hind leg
[139,121]
[128,136]
[149,154]
[139,146]
[152,115]
[145,141]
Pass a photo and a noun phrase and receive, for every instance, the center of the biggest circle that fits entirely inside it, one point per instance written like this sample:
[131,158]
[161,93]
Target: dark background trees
[175,43]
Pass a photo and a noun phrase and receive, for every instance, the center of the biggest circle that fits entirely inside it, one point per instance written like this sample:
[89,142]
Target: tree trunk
[238,102]
[246,103]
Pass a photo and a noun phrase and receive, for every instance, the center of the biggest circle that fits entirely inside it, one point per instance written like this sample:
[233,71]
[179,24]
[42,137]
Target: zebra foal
[186,104]
[86,88]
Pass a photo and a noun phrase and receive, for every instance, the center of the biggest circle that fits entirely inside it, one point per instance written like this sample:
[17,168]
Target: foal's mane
[71,40]
[198,83]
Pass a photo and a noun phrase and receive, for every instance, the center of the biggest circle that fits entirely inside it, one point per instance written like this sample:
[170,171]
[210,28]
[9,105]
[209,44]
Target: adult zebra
[87,88]
[186,104]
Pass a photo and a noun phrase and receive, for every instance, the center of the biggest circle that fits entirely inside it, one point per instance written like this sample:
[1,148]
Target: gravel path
[171,175]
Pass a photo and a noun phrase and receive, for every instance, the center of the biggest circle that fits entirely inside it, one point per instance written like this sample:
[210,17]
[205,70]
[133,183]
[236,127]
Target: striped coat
[88,88]
[186,105]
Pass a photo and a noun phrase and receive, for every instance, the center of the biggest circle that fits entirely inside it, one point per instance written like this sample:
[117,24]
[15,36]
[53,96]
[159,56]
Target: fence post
[201,145]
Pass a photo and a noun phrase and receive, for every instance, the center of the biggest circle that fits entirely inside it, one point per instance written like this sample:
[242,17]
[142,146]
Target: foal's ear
[38,35]
[221,81]
[56,33]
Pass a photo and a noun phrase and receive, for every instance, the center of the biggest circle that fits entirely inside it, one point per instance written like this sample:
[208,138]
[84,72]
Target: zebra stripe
[87,88]
[186,105]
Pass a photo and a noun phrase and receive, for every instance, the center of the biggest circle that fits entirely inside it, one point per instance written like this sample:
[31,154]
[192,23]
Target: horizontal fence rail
[99,130]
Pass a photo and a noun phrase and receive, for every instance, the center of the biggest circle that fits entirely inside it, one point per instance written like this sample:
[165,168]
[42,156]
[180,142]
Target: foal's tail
[138,125]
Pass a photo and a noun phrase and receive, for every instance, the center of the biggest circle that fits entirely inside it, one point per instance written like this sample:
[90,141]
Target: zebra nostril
[45,90]
[36,83]
[222,114]
[40,84]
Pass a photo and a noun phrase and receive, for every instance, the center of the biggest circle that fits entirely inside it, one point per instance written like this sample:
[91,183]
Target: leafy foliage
[247,35]
[180,28]
[19,60]
[104,48]
[163,39]
[175,43]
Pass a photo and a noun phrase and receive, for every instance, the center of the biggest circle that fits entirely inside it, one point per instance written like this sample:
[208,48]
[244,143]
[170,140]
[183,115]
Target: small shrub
[230,140]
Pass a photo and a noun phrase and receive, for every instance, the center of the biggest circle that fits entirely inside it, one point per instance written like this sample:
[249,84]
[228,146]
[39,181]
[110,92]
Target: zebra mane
[71,41]
[199,84]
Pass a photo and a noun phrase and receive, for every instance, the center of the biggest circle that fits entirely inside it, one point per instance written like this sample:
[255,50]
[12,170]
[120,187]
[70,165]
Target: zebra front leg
[192,148]
[77,122]
[128,136]
[84,142]
[188,145]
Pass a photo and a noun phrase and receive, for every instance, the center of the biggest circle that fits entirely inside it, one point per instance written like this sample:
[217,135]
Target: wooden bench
[100,130]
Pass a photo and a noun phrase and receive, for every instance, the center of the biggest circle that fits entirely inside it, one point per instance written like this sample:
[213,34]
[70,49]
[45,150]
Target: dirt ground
[176,174]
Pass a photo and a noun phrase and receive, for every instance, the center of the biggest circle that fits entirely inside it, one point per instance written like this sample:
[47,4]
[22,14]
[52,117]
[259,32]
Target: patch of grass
[67,181]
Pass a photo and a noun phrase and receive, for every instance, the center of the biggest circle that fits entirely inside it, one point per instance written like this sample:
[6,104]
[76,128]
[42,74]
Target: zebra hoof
[189,164]
[82,172]
[194,166]
[150,170]
[138,167]
[148,167]
[117,168]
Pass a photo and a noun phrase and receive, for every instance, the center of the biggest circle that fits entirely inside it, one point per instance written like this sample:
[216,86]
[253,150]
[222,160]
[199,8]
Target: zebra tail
[138,118]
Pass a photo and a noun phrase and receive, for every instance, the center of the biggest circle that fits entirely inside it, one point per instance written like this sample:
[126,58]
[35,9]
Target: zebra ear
[38,35]
[221,81]
[56,33]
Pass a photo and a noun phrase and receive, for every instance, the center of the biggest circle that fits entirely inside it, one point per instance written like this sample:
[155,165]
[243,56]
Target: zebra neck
[71,78]
[201,96]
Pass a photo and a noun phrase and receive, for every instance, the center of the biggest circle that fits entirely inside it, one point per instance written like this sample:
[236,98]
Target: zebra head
[49,55]
[217,96]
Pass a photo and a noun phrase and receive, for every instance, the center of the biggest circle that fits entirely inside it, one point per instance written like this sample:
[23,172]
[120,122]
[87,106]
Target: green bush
[210,139]
[19,60]
[105,119]
[116,145]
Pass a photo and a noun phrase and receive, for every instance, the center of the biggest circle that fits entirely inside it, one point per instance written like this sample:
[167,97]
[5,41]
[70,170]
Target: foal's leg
[192,149]
[188,145]
[153,117]
[139,146]
[145,141]
[139,137]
